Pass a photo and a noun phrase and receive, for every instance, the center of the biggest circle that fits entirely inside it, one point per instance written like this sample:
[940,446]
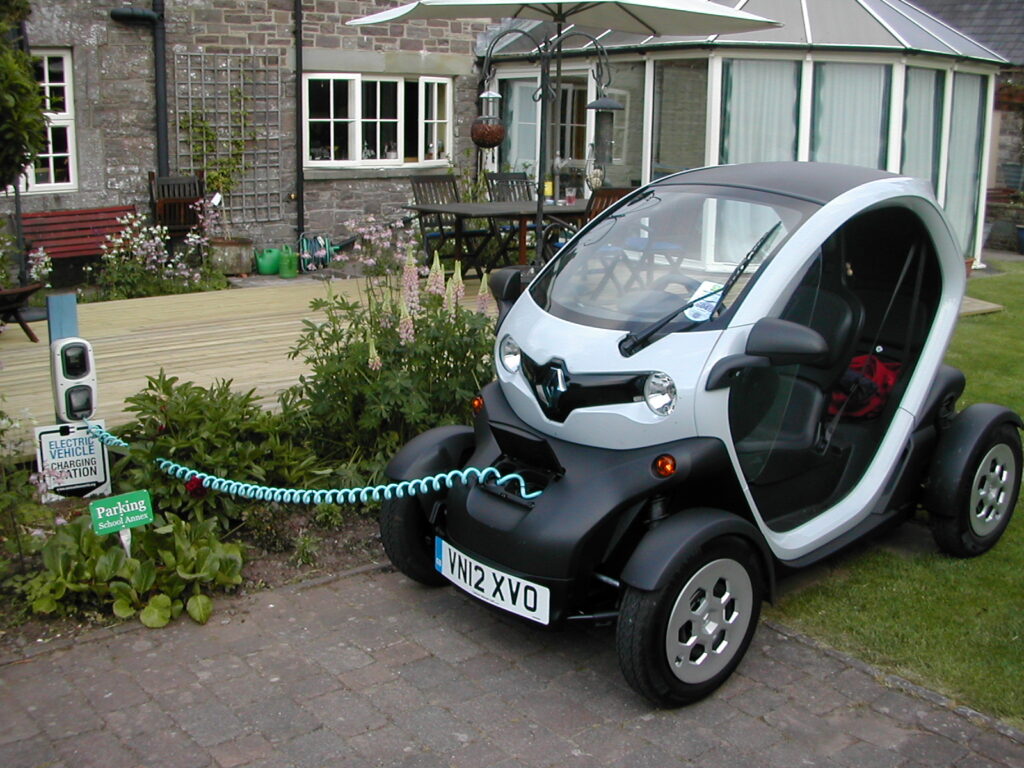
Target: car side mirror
[506,286]
[771,342]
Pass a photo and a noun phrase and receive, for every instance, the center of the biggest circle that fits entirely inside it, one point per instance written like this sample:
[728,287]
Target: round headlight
[660,393]
[510,354]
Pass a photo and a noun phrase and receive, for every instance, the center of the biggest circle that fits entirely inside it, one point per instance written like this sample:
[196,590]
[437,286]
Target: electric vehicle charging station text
[74,379]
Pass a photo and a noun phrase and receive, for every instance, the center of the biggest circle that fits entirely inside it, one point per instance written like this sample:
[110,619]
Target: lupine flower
[411,284]
[483,298]
[406,329]
[460,287]
[373,362]
[435,281]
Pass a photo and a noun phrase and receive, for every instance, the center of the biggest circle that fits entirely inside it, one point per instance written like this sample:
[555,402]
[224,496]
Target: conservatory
[877,83]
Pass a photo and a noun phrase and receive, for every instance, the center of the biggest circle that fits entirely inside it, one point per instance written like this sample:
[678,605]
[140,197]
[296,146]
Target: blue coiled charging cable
[429,484]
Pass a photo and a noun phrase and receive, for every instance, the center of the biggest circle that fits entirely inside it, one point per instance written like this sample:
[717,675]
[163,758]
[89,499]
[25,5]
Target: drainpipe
[155,19]
[300,177]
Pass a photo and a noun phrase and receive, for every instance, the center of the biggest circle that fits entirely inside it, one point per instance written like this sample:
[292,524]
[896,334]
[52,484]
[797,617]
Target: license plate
[515,595]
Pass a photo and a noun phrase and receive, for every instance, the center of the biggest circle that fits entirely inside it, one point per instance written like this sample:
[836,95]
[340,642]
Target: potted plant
[219,151]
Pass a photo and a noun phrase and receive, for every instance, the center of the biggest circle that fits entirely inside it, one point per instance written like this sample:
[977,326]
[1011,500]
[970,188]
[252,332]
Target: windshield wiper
[632,343]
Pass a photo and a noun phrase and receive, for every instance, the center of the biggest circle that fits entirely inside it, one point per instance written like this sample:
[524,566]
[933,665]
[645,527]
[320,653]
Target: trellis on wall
[232,104]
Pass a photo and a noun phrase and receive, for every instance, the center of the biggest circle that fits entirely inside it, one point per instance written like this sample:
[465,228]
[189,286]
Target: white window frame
[358,122]
[60,119]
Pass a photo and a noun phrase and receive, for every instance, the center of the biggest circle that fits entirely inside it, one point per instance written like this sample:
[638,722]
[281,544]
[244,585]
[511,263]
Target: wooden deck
[242,334]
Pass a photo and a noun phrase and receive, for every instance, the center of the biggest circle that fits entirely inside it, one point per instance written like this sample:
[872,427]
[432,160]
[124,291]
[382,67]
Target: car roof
[815,182]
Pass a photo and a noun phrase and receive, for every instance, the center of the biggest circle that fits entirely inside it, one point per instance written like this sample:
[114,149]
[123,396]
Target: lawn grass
[955,626]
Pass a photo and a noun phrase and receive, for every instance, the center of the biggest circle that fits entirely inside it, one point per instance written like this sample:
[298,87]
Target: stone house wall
[115,113]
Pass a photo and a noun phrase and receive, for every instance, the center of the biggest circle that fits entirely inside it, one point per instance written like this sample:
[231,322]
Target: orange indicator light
[477,404]
[664,466]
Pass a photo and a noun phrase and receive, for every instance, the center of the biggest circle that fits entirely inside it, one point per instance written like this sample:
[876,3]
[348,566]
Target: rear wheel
[971,520]
[679,643]
[408,540]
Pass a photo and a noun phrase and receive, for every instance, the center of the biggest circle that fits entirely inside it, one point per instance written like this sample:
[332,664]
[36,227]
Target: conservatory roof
[871,25]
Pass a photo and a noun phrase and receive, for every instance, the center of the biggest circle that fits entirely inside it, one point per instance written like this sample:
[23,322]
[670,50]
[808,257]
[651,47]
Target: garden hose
[429,484]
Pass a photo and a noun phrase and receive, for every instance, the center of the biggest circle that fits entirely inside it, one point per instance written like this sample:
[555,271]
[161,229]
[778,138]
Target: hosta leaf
[199,608]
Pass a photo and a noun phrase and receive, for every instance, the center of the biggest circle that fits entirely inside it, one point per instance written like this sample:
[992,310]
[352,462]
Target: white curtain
[851,114]
[519,113]
[759,110]
[922,123]
[963,176]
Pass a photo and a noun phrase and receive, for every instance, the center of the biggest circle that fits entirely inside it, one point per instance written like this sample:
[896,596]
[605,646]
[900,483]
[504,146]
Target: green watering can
[289,262]
[268,261]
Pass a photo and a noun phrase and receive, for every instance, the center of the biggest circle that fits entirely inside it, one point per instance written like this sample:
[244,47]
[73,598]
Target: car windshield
[665,247]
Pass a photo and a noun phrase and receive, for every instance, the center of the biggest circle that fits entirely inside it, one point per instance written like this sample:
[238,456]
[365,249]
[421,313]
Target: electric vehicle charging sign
[72,461]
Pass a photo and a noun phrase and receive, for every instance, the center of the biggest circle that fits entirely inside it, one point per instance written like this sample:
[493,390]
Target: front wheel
[679,643]
[409,540]
[971,520]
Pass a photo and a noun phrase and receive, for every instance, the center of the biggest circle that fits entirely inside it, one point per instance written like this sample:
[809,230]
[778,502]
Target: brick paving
[373,670]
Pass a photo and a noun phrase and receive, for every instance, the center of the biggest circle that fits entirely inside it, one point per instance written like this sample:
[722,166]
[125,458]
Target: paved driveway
[373,670]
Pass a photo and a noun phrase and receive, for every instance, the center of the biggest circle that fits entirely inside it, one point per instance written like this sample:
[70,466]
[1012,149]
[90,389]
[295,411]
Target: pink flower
[373,362]
[435,281]
[483,298]
[411,285]
[406,329]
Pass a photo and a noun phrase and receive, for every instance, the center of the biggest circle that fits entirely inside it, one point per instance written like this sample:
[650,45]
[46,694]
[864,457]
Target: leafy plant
[384,369]
[174,566]
[136,262]
[213,430]
[307,548]
[265,526]
[22,122]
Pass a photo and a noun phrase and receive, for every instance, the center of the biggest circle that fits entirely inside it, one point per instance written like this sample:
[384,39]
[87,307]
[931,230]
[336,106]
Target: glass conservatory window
[627,88]
[922,123]
[760,101]
[680,112]
[850,113]
[519,114]
[963,176]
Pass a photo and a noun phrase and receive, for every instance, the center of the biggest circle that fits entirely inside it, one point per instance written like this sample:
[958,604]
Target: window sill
[317,173]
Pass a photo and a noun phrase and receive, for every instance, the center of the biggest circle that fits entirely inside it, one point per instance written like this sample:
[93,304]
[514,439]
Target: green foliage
[266,527]
[214,430]
[307,548]
[22,123]
[173,566]
[220,157]
[387,368]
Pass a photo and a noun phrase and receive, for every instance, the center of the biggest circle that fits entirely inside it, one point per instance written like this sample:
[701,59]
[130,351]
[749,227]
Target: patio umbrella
[644,17]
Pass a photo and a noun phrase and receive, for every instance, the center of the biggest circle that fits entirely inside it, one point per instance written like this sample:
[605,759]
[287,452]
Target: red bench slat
[65,234]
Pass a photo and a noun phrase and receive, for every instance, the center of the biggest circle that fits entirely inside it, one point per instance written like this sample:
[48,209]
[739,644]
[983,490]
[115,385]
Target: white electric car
[732,368]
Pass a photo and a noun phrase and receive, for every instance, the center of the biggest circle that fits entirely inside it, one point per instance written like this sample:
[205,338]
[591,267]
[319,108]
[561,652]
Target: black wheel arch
[437,450]
[953,452]
[663,549]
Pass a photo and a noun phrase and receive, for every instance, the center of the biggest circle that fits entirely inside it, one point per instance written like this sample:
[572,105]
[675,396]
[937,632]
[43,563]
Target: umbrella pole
[542,158]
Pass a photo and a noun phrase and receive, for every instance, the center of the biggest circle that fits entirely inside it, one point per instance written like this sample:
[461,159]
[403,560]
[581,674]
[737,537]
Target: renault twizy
[732,368]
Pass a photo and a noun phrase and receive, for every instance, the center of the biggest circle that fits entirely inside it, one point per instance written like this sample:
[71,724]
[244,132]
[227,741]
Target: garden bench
[67,234]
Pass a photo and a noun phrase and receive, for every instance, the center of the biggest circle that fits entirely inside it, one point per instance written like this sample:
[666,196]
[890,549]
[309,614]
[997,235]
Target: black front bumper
[591,512]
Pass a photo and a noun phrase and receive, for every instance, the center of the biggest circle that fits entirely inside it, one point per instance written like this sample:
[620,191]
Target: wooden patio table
[523,211]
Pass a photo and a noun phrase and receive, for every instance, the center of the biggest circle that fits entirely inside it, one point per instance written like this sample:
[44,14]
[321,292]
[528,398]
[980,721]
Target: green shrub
[175,564]
[213,430]
[389,367]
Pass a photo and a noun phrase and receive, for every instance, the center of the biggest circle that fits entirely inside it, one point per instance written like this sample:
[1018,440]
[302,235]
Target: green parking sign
[115,513]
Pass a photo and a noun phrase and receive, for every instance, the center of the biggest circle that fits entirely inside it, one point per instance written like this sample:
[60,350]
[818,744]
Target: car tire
[970,521]
[680,642]
[408,540]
